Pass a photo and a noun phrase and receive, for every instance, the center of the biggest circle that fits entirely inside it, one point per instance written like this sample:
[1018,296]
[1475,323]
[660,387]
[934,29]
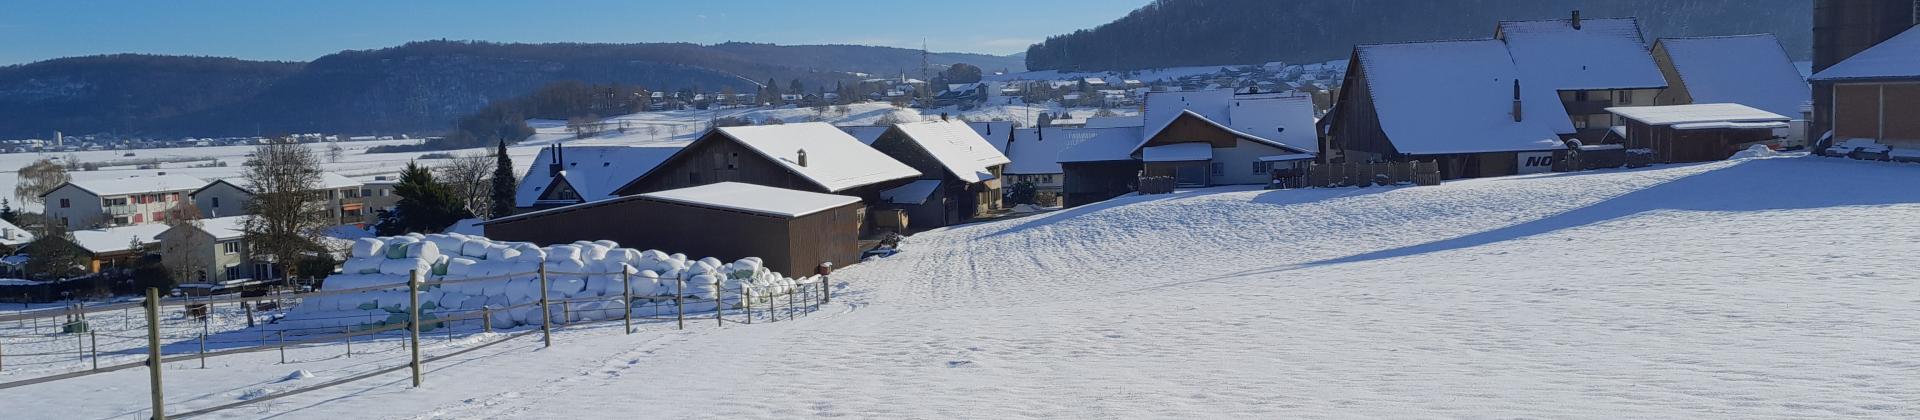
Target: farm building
[1843,28]
[960,172]
[1207,138]
[566,175]
[1751,70]
[1590,64]
[1697,132]
[1461,103]
[1097,163]
[813,157]
[792,231]
[1875,98]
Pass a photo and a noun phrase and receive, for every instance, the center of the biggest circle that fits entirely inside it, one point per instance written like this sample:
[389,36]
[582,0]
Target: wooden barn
[814,157]
[960,172]
[793,231]
[1874,98]
[1097,163]
[1698,132]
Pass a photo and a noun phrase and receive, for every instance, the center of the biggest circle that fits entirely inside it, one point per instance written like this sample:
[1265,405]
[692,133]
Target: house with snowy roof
[1217,137]
[1096,164]
[814,157]
[93,203]
[1875,98]
[340,196]
[960,172]
[1590,64]
[1750,70]
[1035,159]
[1460,103]
[12,236]
[115,247]
[566,175]
[218,247]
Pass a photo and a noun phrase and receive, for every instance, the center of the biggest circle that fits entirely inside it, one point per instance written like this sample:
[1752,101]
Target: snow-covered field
[1763,288]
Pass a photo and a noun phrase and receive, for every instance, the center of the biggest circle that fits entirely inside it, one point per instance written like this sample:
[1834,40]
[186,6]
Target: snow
[117,239]
[867,134]
[1751,70]
[1284,118]
[1456,97]
[1163,107]
[1602,54]
[225,228]
[138,184]
[957,147]
[1897,57]
[1731,125]
[1155,131]
[1696,113]
[997,133]
[594,171]
[1097,144]
[915,193]
[755,199]
[1183,152]
[1112,122]
[1758,288]
[12,235]
[1286,158]
[836,161]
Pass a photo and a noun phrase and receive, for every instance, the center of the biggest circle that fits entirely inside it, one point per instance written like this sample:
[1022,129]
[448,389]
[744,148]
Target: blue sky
[286,30]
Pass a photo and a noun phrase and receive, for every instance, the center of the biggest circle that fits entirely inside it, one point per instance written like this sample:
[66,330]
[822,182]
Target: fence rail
[744,305]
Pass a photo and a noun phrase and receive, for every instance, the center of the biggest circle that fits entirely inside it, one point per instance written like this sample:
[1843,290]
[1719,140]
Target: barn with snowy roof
[564,175]
[1750,70]
[1590,64]
[960,172]
[1875,98]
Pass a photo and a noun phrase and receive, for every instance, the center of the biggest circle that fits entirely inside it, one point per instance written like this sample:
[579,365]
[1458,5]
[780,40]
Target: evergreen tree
[7,212]
[504,184]
[54,254]
[426,205]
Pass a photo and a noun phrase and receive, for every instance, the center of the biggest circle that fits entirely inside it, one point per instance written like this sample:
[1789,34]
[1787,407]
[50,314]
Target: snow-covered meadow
[1758,288]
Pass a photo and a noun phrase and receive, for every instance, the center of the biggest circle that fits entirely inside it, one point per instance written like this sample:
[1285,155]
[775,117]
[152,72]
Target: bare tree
[38,178]
[335,152]
[470,177]
[288,208]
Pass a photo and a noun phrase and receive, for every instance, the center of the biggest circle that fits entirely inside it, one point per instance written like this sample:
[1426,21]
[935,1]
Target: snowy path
[1770,288]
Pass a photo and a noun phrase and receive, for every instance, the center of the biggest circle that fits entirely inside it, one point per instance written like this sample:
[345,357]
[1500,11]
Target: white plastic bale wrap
[501,253]
[362,265]
[367,248]
[404,266]
[475,248]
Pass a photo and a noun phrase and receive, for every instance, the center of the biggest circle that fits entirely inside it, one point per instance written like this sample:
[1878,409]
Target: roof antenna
[1516,101]
[1576,20]
[803,158]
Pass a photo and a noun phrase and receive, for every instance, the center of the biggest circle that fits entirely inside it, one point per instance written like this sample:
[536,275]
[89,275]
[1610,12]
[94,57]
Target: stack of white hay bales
[582,270]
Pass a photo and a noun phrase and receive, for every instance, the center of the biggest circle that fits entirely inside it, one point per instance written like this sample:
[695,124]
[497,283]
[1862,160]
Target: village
[674,214]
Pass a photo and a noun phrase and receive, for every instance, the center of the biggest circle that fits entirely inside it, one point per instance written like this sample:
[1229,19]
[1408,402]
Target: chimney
[943,116]
[803,158]
[1517,114]
[553,161]
[1576,20]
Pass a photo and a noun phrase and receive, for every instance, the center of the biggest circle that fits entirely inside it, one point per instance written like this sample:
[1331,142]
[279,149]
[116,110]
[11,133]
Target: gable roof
[1284,118]
[1447,97]
[328,180]
[1095,144]
[13,235]
[866,134]
[117,239]
[1695,113]
[956,146]
[595,172]
[1601,54]
[134,185]
[1751,70]
[1261,116]
[997,133]
[753,198]
[835,160]
[1155,132]
[1895,58]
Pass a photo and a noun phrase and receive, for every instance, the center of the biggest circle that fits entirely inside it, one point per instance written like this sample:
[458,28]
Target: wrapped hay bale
[405,266]
[606,243]
[501,253]
[559,253]
[423,250]
[462,267]
[476,248]
[366,248]
[362,265]
[397,247]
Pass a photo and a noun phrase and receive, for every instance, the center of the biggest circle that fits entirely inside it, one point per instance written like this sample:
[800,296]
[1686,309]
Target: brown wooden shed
[1697,132]
[792,231]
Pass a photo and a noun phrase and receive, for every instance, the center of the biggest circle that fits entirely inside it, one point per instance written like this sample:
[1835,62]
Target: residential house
[1215,137]
[1096,164]
[117,247]
[1460,103]
[92,203]
[1842,28]
[999,133]
[1751,70]
[1697,132]
[1591,64]
[1875,100]
[340,196]
[377,193]
[1035,160]
[217,245]
[814,157]
[566,175]
[960,172]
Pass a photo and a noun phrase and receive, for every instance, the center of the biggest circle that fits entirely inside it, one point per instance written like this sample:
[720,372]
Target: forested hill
[420,87]
[1172,33]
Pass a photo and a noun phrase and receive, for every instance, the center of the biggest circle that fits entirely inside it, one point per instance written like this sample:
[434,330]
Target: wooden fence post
[679,304]
[718,301]
[348,332]
[153,353]
[249,308]
[790,298]
[486,319]
[546,313]
[746,301]
[626,296]
[283,347]
[826,290]
[96,348]
[203,344]
[413,321]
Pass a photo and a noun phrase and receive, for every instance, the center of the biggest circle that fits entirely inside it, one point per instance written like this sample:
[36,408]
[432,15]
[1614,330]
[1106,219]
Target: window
[1259,167]
[159,216]
[233,272]
[118,220]
[1580,95]
[385,192]
[1626,97]
[230,247]
[366,192]
[1218,168]
[1580,123]
[693,177]
[64,203]
[216,202]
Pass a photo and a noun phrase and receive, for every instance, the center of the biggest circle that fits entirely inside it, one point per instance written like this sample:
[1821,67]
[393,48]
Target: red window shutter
[137,218]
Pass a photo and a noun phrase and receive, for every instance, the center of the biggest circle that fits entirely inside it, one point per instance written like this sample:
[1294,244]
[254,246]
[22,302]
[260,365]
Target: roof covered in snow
[1896,58]
[328,180]
[1163,107]
[835,160]
[1696,113]
[595,172]
[996,133]
[117,239]
[915,192]
[1096,144]
[866,134]
[957,147]
[1751,70]
[13,235]
[225,228]
[1449,97]
[1111,122]
[138,184]
[1601,54]
[1284,118]
[754,199]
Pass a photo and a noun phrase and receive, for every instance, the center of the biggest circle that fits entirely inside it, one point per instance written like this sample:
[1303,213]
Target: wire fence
[197,329]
